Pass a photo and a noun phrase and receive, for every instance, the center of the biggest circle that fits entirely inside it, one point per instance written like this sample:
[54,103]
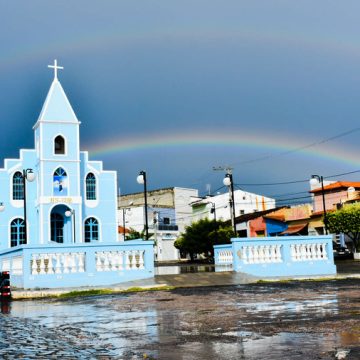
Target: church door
[57,228]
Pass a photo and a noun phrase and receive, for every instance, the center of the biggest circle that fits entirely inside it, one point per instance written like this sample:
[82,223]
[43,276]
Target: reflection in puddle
[318,306]
[253,346]
[129,326]
[183,269]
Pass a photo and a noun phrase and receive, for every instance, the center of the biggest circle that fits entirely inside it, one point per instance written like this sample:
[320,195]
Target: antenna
[208,188]
[226,168]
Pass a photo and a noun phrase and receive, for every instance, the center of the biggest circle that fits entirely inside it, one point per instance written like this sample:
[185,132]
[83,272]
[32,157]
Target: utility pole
[228,181]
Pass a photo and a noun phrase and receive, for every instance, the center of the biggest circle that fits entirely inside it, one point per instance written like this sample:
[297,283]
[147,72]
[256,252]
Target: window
[90,187]
[59,145]
[17,232]
[18,186]
[60,182]
[91,230]
[57,228]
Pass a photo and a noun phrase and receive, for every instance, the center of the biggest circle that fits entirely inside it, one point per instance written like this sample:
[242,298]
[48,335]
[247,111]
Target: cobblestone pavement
[285,320]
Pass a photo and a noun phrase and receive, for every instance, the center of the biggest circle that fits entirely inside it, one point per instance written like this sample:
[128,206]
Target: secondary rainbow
[281,146]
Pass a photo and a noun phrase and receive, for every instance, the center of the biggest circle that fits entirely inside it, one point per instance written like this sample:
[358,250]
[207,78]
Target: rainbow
[106,39]
[275,146]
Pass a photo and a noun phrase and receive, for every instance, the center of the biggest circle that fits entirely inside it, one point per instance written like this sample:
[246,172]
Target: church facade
[53,196]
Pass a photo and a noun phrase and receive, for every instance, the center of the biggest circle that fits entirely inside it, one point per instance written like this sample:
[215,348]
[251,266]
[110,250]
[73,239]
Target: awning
[294,229]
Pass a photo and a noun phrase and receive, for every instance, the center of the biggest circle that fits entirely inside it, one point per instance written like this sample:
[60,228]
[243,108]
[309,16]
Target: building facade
[59,210]
[71,199]
[169,212]
[219,205]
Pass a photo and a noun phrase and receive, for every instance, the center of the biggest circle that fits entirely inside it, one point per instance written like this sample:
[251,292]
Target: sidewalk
[345,269]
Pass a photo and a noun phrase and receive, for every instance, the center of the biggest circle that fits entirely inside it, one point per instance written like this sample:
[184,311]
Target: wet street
[297,320]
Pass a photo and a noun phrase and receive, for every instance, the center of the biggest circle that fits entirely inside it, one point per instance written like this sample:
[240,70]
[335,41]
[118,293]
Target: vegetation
[92,292]
[347,221]
[133,235]
[201,236]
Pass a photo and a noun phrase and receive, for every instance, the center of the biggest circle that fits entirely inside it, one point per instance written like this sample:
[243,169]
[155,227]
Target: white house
[218,206]
[169,212]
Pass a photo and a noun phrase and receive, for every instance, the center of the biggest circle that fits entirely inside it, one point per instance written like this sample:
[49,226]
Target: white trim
[62,122]
[41,224]
[49,220]
[9,230]
[14,168]
[91,203]
[63,160]
[52,180]
[65,145]
[116,208]
[15,203]
[92,169]
[46,104]
[44,200]
[99,229]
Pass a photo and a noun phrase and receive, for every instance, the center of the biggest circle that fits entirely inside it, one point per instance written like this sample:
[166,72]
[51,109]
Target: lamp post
[69,213]
[315,179]
[213,211]
[141,179]
[228,181]
[29,175]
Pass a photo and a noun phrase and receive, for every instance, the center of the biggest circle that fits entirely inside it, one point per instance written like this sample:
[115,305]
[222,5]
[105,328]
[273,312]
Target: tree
[202,235]
[347,221]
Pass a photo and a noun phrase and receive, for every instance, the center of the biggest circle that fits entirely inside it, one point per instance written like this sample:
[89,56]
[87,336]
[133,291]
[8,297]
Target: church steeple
[57,107]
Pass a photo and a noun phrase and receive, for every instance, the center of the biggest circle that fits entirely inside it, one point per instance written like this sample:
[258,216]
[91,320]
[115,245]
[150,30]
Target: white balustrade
[17,265]
[57,263]
[308,251]
[258,254]
[225,257]
[114,260]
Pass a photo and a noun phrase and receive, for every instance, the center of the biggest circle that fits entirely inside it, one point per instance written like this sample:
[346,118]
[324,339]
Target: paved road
[277,320]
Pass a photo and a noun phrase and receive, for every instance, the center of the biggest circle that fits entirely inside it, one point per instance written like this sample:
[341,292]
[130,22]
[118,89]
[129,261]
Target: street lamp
[315,179]
[228,181]
[141,179]
[69,213]
[29,175]
[213,211]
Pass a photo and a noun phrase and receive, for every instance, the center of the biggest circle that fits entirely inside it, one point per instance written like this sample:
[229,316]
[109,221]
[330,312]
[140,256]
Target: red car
[5,291]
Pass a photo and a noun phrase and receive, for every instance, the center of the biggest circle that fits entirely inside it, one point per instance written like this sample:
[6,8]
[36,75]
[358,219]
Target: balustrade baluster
[50,264]
[34,265]
[81,262]
[42,264]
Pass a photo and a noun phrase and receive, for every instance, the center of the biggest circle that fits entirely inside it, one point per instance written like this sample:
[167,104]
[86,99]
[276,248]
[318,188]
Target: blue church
[58,210]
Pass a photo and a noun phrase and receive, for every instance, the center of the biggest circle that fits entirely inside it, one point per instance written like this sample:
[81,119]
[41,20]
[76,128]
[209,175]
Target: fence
[279,256]
[56,266]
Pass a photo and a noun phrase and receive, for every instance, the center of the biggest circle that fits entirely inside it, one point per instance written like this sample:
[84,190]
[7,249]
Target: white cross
[55,67]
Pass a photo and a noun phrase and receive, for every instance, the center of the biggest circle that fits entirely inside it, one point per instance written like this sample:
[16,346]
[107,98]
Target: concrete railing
[279,256]
[55,266]
[223,254]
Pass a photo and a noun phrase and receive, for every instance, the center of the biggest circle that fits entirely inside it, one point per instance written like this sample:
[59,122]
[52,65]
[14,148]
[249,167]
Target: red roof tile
[338,185]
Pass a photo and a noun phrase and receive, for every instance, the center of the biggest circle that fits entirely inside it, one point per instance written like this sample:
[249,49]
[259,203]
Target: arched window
[57,228]
[59,145]
[91,230]
[18,186]
[90,187]
[17,232]
[60,182]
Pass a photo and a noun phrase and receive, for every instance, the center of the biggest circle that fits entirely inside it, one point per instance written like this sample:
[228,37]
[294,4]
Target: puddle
[207,323]
[183,269]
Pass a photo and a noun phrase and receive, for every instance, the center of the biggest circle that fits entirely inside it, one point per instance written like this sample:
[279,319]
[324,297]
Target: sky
[178,88]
